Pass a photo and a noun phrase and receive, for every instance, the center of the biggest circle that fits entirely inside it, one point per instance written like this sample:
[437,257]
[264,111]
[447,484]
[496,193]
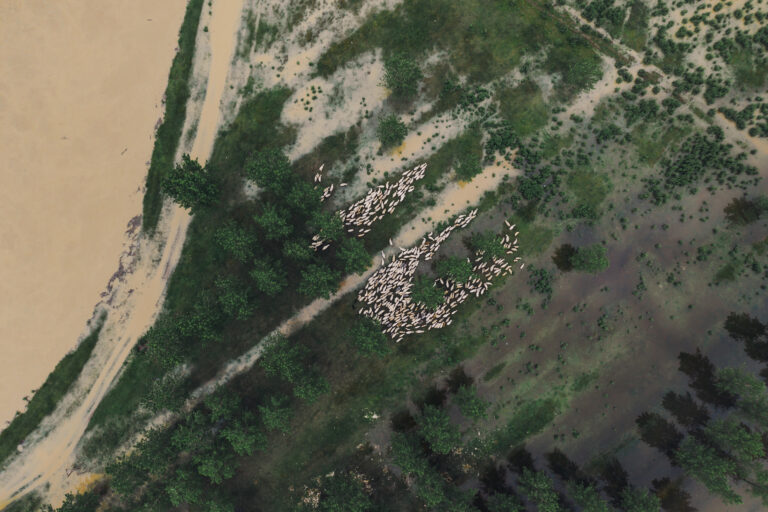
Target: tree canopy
[190,184]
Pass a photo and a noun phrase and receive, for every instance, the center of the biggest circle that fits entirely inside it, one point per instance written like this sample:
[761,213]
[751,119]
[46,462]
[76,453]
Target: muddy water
[132,305]
[81,85]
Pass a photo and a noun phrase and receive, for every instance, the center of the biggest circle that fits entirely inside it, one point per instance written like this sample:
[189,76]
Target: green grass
[651,144]
[590,188]
[583,381]
[494,372]
[534,238]
[524,107]
[483,39]
[169,131]
[529,419]
[635,29]
[29,503]
[748,72]
[47,397]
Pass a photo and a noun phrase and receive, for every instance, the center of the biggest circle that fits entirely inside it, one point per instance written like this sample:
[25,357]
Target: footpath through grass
[169,132]
[53,389]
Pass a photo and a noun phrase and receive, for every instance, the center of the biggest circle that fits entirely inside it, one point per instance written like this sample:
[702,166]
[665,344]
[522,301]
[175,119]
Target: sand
[81,85]
[46,463]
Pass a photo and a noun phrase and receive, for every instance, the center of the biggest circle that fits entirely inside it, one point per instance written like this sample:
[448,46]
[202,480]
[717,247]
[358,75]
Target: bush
[427,293]
[591,258]
[455,268]
[391,131]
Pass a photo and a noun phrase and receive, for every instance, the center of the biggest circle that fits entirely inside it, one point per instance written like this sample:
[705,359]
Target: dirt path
[45,463]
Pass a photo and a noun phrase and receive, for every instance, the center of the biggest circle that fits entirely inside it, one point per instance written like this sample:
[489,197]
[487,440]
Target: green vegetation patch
[47,397]
[590,188]
[483,39]
[529,419]
[524,107]
[169,131]
[635,31]
[652,144]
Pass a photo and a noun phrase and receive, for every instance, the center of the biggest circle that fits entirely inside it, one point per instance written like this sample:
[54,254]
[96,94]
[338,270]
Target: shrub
[591,258]
[391,131]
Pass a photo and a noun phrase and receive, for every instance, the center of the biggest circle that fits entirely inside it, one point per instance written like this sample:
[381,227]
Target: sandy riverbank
[81,85]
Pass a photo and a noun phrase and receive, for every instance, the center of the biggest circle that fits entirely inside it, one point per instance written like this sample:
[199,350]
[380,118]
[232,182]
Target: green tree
[318,280]
[267,278]
[704,463]
[297,250]
[244,436]
[190,184]
[310,386]
[235,241]
[588,497]
[470,405]
[233,298]
[353,256]
[184,488]
[391,131]
[430,488]
[499,502]
[539,489]
[125,475]
[455,268]
[426,292]
[402,75]
[274,221]
[216,463]
[165,394]
[751,393]
[408,455]
[304,198]
[276,414]
[271,170]
[436,428]
[327,225]
[81,502]
[639,500]
[735,439]
[367,336]
[590,258]
[343,493]
[281,358]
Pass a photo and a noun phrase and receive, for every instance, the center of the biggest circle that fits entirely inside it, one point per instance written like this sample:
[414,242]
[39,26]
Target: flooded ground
[81,86]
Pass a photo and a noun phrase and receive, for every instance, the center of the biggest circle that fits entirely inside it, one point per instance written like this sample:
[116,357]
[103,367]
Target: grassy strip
[53,389]
[169,132]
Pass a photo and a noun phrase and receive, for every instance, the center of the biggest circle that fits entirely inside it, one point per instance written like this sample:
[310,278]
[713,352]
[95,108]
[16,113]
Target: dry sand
[46,462]
[81,85]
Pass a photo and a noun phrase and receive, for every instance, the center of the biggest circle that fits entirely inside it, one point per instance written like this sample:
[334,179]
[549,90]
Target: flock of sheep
[386,296]
[377,203]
